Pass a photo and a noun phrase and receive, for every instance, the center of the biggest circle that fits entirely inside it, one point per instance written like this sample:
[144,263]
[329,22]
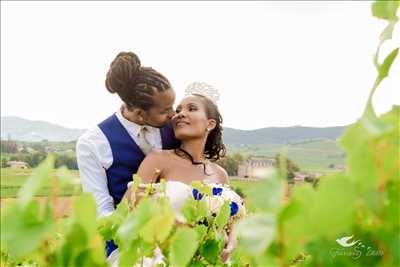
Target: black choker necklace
[184,154]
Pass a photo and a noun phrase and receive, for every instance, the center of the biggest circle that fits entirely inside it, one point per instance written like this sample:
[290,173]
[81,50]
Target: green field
[313,155]
[12,179]
[243,185]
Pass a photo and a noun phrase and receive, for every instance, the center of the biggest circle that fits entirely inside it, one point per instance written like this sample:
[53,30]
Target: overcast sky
[274,63]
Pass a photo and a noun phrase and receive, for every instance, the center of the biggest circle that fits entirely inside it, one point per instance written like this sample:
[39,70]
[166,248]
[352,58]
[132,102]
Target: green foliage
[289,165]
[268,194]
[3,163]
[385,9]
[67,182]
[222,217]
[20,221]
[210,250]
[239,191]
[31,235]
[40,176]
[231,163]
[256,233]
[184,244]
[34,153]
[363,202]
[309,155]
[79,248]
[8,146]
[350,219]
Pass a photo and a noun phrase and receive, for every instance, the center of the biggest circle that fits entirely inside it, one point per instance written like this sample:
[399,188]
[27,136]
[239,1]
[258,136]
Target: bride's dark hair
[214,148]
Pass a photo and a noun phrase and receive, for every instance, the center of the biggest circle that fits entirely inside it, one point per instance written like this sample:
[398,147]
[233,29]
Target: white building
[255,167]
[17,165]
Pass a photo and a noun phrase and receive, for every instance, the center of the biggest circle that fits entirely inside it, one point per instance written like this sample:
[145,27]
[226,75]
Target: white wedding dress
[178,193]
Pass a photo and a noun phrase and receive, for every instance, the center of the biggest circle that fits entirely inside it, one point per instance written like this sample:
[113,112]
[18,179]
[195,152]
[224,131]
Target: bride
[197,125]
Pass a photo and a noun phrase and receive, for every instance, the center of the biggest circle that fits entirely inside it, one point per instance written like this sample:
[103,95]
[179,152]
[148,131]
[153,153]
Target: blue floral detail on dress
[217,191]
[234,208]
[196,194]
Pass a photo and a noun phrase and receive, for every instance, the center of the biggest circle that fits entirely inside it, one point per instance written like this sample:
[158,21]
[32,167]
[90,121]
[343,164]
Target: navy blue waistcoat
[127,157]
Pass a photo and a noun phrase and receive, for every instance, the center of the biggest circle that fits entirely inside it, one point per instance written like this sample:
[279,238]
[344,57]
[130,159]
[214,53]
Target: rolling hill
[312,148]
[279,135]
[22,129]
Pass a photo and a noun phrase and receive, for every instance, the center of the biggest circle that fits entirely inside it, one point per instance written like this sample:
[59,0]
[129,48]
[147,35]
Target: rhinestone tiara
[203,89]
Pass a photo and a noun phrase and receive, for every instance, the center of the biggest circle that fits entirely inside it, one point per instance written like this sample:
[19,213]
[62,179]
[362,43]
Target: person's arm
[94,177]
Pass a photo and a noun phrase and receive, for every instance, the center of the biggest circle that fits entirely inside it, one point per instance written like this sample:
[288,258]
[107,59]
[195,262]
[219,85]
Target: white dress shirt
[94,157]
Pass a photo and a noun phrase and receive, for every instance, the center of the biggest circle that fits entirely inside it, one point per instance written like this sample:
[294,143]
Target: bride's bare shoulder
[221,173]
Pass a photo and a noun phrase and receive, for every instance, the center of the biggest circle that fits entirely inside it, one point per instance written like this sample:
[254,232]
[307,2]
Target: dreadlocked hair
[134,84]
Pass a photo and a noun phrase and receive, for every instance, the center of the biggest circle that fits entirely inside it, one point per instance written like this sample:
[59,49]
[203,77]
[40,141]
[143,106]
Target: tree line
[33,153]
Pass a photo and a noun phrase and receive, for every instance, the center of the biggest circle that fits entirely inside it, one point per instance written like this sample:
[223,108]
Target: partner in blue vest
[110,153]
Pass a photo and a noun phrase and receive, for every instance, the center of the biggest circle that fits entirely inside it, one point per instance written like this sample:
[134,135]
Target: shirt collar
[132,127]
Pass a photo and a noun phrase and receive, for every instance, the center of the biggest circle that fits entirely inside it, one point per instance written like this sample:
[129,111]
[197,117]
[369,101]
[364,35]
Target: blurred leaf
[76,240]
[332,204]
[223,215]
[256,233]
[385,9]
[130,255]
[108,226]
[23,229]
[360,161]
[387,63]
[326,213]
[85,213]
[105,227]
[183,246]
[146,249]
[387,32]
[79,247]
[371,124]
[158,228]
[134,187]
[201,231]
[210,250]
[268,194]
[197,263]
[65,177]
[288,211]
[130,228]
[189,210]
[387,147]
[39,177]
[202,209]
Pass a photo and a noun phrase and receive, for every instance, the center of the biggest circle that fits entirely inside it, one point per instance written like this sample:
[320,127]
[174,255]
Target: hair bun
[123,71]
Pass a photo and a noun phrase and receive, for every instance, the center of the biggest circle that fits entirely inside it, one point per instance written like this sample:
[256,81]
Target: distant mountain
[279,135]
[22,129]
[27,130]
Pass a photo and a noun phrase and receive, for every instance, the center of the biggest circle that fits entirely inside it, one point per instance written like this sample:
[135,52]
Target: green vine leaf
[385,9]
[387,63]
[183,246]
